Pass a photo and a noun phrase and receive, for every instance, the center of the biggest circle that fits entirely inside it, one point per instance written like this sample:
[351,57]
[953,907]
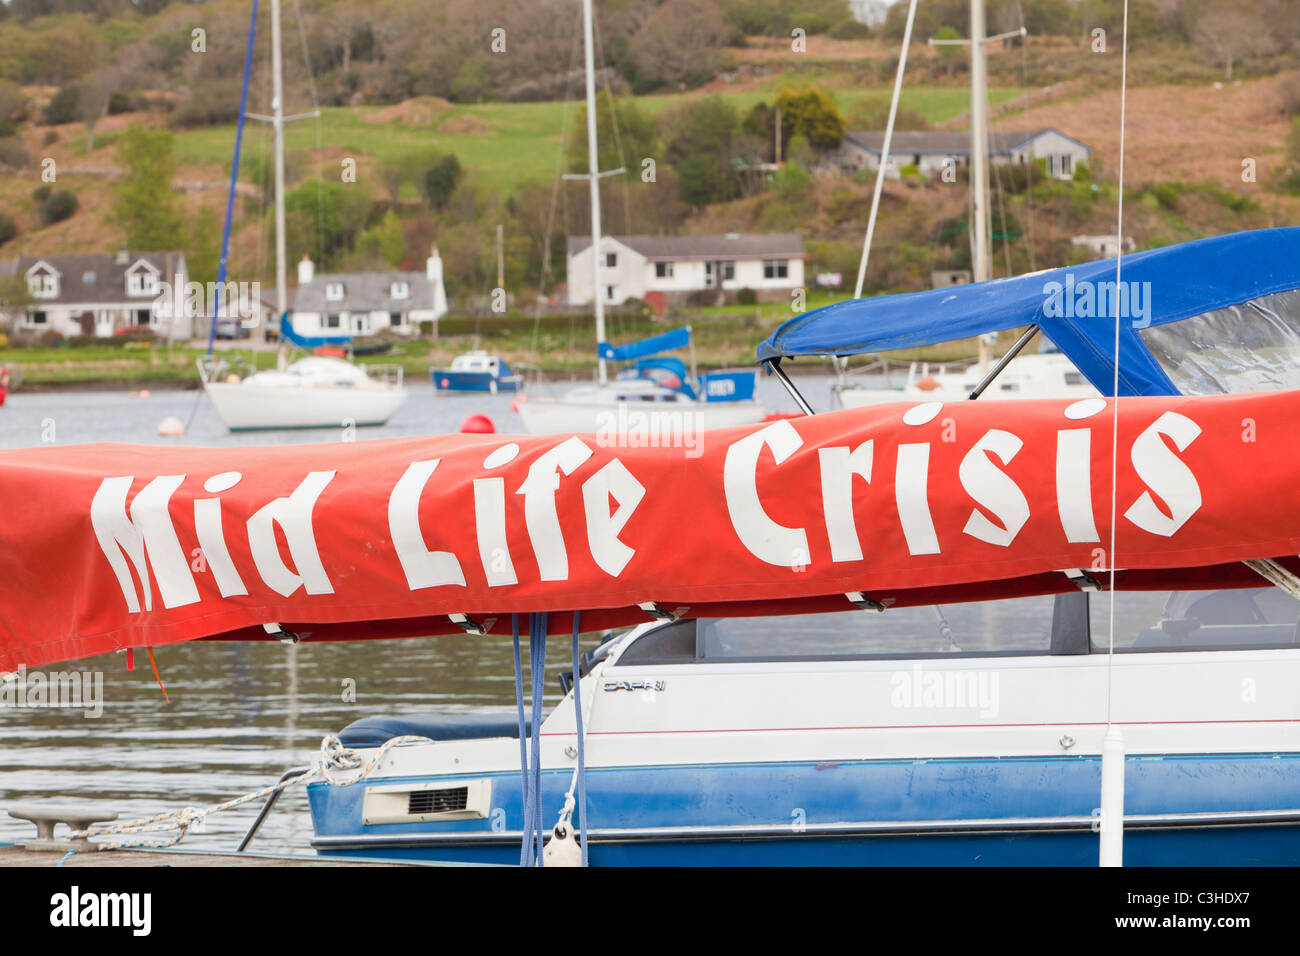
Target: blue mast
[234,178]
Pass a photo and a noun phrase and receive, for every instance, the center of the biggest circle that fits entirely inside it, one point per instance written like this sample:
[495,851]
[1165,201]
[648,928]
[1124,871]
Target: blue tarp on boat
[676,339]
[1074,306]
[308,341]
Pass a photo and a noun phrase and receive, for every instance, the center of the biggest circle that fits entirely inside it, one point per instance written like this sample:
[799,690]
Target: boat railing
[389,374]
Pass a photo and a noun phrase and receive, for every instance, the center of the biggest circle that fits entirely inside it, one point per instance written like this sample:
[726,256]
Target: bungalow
[930,150]
[363,303]
[674,267]
[101,294]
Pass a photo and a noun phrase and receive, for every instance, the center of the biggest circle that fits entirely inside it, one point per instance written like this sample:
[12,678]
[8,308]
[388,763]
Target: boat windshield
[1197,620]
[1073,623]
[1252,347]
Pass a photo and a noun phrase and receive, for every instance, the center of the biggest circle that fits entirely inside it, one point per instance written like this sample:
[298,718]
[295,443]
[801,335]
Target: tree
[811,113]
[678,43]
[383,242]
[324,218]
[702,149]
[949,53]
[636,135]
[96,91]
[1230,31]
[144,203]
[441,179]
[203,251]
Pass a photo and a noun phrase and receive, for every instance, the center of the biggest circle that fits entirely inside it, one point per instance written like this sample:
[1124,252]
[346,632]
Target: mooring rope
[337,766]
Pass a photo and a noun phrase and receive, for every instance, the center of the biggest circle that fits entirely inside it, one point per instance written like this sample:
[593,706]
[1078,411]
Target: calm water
[240,714]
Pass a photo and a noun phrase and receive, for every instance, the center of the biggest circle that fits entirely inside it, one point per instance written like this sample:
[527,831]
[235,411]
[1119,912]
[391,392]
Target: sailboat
[1047,373]
[717,401]
[318,391]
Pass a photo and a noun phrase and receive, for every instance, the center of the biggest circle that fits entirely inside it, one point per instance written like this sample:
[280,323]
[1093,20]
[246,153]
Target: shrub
[50,138]
[747,297]
[793,180]
[58,207]
[12,154]
[1016,178]
[850,29]
[8,228]
[41,193]
[118,103]
[1166,195]
[63,106]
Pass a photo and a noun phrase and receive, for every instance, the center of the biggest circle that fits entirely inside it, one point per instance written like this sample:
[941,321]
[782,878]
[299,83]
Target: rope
[579,779]
[524,790]
[337,766]
[537,671]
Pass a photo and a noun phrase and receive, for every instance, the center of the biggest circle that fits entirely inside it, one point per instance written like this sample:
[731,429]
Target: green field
[521,141]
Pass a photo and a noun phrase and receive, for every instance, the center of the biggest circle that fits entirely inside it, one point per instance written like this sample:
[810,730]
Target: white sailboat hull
[244,406]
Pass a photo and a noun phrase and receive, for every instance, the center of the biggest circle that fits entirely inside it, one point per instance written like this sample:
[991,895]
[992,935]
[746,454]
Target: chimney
[433,266]
[122,257]
[306,270]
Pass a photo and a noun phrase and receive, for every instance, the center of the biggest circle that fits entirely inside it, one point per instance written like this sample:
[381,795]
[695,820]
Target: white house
[674,267]
[930,150]
[363,303]
[102,295]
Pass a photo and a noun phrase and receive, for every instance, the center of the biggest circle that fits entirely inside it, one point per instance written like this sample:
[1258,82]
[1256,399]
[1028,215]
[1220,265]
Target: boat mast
[277,139]
[593,180]
[979,151]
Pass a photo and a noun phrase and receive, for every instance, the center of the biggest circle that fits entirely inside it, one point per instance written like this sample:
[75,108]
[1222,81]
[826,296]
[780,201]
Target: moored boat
[477,371]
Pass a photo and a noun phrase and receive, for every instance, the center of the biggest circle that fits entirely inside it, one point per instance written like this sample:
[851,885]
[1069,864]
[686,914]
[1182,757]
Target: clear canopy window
[1252,347]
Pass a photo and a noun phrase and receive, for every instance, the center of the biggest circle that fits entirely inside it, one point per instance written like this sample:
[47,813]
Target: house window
[397,319]
[663,270]
[400,290]
[39,318]
[776,269]
[141,282]
[728,271]
[142,317]
[609,293]
[611,260]
[332,320]
[334,291]
[43,285]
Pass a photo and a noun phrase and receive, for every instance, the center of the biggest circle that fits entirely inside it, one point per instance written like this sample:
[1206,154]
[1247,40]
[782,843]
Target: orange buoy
[478,425]
[928,384]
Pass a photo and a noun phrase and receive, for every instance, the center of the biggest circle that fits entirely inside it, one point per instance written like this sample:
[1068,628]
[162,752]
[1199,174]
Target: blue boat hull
[448,381]
[1181,810]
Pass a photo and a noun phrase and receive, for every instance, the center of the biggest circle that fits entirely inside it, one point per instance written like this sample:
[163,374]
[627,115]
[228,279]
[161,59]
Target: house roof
[365,292]
[100,277]
[948,143]
[730,246]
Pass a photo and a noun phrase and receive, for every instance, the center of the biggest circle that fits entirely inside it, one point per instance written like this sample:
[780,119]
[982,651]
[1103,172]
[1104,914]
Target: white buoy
[1112,798]
[171,427]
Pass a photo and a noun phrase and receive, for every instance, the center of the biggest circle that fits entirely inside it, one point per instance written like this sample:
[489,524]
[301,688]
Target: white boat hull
[246,406]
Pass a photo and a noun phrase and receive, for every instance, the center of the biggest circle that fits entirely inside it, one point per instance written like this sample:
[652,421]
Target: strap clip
[280,634]
[468,624]
[862,602]
[656,611]
[1082,579]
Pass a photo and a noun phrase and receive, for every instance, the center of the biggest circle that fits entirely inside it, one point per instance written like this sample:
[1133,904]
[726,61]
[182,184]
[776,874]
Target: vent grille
[438,801]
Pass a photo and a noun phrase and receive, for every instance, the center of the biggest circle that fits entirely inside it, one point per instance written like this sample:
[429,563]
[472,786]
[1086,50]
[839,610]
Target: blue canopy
[1074,306]
[307,341]
[676,339]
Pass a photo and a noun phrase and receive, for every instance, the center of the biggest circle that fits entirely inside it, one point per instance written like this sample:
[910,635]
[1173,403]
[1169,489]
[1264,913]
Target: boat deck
[18,855]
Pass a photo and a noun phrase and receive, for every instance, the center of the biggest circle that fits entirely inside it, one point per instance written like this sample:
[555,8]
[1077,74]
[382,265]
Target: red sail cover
[109,546]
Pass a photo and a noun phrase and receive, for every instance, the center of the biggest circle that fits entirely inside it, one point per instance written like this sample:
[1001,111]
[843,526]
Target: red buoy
[478,425]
